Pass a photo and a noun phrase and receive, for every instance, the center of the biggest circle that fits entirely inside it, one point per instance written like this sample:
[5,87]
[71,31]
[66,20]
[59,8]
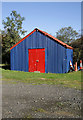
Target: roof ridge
[59,41]
[46,34]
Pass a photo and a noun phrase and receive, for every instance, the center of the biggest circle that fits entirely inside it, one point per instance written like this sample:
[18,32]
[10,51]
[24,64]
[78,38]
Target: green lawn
[72,79]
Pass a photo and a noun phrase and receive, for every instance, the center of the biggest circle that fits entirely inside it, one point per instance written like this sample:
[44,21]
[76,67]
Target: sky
[47,16]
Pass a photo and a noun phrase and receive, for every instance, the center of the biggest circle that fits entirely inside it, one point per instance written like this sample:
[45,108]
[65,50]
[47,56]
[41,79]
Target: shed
[40,51]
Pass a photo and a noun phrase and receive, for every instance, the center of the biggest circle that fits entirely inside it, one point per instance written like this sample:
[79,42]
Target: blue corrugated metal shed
[57,53]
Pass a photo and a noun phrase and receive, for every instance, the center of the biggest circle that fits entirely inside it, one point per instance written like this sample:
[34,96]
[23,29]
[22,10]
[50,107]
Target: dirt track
[40,101]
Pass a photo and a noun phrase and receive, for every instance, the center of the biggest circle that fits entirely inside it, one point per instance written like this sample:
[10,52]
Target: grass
[38,110]
[72,79]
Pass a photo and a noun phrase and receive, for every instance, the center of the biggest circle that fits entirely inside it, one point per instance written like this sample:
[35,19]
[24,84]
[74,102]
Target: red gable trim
[59,41]
[46,34]
[23,39]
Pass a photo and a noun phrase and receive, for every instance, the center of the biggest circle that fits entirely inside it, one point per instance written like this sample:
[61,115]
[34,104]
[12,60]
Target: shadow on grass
[6,67]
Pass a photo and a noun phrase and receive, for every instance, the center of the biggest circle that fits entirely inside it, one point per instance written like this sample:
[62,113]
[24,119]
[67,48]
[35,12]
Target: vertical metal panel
[34,40]
[24,55]
[15,58]
[58,58]
[49,55]
[27,65]
[64,60]
[46,71]
[11,59]
[69,57]
[39,39]
[55,58]
[46,60]
[61,59]
[20,56]
[52,56]
[14,54]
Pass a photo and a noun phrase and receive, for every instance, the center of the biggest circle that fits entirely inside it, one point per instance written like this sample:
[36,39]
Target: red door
[37,60]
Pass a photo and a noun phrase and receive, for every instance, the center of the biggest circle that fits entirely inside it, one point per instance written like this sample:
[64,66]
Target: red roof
[46,34]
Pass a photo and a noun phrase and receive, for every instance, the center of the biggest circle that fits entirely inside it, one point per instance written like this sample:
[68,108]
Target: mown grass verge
[72,79]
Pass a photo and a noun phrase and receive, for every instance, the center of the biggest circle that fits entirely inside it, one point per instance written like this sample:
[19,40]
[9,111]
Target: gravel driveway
[22,100]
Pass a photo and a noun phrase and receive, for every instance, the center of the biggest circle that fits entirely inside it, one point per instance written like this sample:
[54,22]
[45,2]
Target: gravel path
[40,101]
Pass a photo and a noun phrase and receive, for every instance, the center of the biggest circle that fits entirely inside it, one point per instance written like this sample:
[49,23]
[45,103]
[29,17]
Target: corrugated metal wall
[57,57]
[69,57]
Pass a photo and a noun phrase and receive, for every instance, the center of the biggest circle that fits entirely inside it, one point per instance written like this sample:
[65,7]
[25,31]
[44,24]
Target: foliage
[72,79]
[0,48]
[67,34]
[78,50]
[72,38]
[11,34]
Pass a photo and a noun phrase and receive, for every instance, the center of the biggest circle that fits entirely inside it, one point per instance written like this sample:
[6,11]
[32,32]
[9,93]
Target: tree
[11,34]
[78,50]
[13,27]
[67,34]
[0,48]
